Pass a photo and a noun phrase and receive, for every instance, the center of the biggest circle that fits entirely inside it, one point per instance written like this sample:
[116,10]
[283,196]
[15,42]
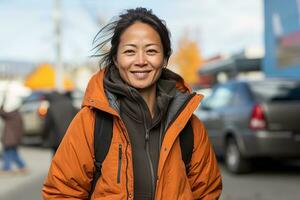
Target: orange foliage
[43,78]
[188,59]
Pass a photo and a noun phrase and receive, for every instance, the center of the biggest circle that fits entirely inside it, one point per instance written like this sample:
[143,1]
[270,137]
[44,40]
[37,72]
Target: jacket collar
[96,97]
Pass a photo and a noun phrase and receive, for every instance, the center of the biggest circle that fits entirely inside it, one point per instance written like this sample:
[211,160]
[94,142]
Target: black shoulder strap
[186,144]
[102,140]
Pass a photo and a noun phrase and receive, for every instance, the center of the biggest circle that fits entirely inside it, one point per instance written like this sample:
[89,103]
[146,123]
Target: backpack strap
[102,140]
[186,144]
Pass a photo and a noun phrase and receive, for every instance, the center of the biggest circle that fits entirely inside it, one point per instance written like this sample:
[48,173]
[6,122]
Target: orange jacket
[71,171]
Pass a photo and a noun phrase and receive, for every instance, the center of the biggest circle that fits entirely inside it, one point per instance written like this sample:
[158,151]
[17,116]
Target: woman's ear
[115,61]
[165,63]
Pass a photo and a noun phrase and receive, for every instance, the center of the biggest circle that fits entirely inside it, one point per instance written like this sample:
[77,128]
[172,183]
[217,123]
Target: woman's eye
[129,52]
[151,51]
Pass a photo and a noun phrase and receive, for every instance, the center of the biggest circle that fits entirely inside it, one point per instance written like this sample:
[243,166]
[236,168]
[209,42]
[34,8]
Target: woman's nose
[141,59]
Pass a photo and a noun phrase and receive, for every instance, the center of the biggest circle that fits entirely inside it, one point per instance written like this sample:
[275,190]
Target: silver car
[34,110]
[250,119]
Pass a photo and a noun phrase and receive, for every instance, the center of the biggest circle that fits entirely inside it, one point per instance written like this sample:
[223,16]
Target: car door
[214,112]
[241,108]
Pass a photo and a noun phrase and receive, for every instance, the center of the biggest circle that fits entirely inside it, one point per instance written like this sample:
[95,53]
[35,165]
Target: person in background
[60,113]
[150,105]
[12,134]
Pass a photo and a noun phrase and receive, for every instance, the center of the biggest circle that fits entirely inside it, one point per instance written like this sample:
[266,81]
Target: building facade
[282,38]
[15,69]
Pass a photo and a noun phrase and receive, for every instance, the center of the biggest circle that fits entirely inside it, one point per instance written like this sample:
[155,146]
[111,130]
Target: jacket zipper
[119,163]
[150,163]
[147,137]
[123,130]
[147,147]
[127,170]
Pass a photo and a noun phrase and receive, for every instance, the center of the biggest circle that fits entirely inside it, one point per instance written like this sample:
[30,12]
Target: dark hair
[113,31]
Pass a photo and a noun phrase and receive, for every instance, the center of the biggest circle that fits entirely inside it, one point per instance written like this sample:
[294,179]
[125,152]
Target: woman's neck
[149,96]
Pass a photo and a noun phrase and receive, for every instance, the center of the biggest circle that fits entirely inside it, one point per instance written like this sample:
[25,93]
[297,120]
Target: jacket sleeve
[48,125]
[71,170]
[204,174]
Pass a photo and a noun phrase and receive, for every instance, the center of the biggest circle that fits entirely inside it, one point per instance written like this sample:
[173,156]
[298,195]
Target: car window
[276,90]
[221,97]
[241,96]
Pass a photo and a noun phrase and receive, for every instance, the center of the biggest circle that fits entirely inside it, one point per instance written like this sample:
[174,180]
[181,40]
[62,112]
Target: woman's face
[140,56]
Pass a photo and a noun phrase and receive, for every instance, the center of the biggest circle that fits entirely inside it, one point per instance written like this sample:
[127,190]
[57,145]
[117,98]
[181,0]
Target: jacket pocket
[119,163]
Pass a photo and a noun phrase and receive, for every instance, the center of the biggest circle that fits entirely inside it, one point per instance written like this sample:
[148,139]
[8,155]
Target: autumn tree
[188,59]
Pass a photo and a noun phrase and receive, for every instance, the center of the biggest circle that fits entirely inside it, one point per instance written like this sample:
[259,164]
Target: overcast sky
[219,26]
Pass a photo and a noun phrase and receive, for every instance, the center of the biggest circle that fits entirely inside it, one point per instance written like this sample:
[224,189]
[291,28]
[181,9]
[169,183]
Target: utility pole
[59,68]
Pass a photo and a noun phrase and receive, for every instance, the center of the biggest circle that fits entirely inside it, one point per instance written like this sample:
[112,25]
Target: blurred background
[243,56]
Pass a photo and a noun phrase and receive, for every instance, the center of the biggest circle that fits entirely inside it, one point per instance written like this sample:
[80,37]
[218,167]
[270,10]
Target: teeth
[141,72]
[141,75]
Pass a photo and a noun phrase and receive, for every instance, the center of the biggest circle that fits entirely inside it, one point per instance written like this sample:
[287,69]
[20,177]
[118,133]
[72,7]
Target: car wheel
[234,161]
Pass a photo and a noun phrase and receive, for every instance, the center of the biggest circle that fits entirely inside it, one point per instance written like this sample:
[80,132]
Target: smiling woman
[140,56]
[151,108]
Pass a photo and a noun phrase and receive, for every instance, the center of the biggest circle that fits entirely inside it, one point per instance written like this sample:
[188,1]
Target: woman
[12,134]
[150,106]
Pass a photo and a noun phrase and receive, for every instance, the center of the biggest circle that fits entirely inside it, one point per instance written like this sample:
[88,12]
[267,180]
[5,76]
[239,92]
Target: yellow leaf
[43,78]
[188,59]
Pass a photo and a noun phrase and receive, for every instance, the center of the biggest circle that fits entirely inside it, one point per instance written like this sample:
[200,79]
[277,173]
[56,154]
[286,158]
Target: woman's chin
[141,86]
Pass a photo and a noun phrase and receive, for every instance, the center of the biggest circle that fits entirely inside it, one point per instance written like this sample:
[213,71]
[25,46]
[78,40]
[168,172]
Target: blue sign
[282,38]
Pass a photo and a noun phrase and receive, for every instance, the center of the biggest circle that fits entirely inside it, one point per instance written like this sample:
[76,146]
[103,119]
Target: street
[28,186]
[29,191]
[270,180]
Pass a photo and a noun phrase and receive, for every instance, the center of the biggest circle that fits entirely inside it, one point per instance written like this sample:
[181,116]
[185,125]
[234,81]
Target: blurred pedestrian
[60,113]
[149,107]
[11,135]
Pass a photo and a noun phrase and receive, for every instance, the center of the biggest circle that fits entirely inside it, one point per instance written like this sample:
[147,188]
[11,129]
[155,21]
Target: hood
[12,103]
[96,97]
[11,95]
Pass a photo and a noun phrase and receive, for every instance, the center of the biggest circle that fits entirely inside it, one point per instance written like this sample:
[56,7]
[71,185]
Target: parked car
[206,92]
[250,119]
[34,110]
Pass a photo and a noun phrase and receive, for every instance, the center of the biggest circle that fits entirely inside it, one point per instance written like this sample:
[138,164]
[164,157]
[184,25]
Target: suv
[248,119]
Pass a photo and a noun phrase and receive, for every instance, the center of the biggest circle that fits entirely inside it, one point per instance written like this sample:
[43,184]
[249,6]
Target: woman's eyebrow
[131,45]
[152,44]
[135,46]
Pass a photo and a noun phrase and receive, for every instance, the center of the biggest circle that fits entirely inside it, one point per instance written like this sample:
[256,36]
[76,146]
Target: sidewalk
[37,160]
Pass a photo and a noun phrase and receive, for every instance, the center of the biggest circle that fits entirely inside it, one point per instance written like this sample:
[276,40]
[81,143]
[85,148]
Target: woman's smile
[141,75]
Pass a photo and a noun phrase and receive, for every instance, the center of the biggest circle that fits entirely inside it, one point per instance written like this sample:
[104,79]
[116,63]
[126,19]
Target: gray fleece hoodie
[145,133]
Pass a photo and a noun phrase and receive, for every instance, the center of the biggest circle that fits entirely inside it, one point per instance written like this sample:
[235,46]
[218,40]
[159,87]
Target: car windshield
[276,90]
